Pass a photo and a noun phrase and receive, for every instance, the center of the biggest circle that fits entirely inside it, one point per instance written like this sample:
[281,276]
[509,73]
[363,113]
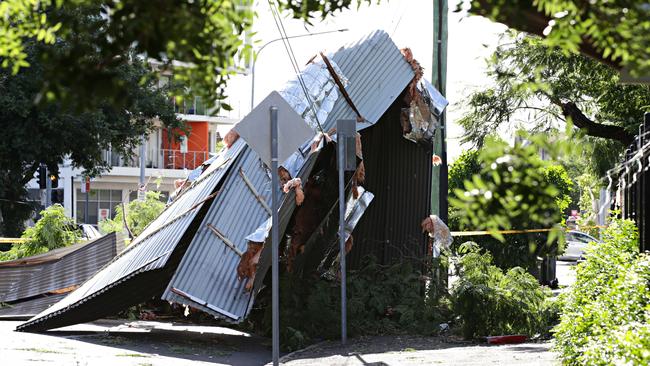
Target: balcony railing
[175,159]
[162,159]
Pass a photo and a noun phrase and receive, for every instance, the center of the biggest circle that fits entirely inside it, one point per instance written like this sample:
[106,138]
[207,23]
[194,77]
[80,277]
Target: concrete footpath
[410,350]
[141,343]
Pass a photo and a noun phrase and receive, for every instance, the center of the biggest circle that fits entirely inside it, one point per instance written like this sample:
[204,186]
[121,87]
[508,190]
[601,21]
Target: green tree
[139,213]
[207,36]
[463,169]
[539,88]
[52,131]
[515,190]
[612,32]
[53,230]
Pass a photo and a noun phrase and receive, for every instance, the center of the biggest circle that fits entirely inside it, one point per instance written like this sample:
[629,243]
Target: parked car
[576,242]
[89,232]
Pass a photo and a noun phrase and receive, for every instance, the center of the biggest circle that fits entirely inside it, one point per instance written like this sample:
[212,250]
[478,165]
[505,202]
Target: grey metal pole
[86,217]
[48,188]
[143,156]
[342,254]
[275,236]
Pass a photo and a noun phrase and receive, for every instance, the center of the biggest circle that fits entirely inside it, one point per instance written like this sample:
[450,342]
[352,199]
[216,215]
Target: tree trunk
[571,110]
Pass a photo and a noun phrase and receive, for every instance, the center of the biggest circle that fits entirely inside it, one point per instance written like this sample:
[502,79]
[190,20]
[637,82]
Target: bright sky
[410,24]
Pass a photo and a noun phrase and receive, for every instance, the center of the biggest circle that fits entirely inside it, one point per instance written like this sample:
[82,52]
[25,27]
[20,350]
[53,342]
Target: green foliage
[558,177]
[491,302]
[606,313]
[381,300]
[51,131]
[535,87]
[610,31]
[516,190]
[53,230]
[139,213]
[84,40]
[465,166]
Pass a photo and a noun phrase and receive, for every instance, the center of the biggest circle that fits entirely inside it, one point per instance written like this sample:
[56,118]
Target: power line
[292,59]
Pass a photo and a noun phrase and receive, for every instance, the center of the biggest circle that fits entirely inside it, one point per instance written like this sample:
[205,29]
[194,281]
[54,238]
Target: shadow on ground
[385,350]
[179,341]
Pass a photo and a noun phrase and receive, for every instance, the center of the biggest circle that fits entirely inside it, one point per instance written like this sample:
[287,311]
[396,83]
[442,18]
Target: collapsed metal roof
[24,281]
[206,247]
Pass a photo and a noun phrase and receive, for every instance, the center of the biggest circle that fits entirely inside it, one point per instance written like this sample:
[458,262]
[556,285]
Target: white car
[89,232]
[576,242]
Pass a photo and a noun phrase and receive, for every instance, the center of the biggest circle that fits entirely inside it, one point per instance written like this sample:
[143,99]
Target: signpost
[274,142]
[347,161]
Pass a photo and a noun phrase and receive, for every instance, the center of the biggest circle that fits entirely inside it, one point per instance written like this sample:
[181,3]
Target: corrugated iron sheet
[398,172]
[378,74]
[148,252]
[60,268]
[29,308]
[206,272]
[207,277]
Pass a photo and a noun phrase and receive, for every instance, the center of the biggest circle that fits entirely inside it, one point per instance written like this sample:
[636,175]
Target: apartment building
[165,162]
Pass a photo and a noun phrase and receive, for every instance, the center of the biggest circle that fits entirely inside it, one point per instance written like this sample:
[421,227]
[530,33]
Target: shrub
[491,302]
[381,300]
[53,230]
[514,189]
[139,214]
[605,315]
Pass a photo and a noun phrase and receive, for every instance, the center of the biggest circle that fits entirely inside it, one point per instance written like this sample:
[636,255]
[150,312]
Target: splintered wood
[230,138]
[248,264]
[295,184]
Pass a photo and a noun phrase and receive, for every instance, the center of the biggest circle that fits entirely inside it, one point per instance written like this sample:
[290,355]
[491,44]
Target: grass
[132,355]
[38,350]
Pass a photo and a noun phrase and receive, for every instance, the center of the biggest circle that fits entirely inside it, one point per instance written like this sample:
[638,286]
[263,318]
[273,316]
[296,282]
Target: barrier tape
[12,240]
[478,233]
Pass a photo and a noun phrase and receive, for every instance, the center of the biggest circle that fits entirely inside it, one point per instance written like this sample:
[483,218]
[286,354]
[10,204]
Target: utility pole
[439,199]
[143,152]
[48,188]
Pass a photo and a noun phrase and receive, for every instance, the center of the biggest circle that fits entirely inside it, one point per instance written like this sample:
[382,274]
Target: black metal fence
[629,182]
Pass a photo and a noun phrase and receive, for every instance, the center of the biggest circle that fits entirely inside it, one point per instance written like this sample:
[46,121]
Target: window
[97,199]
[164,196]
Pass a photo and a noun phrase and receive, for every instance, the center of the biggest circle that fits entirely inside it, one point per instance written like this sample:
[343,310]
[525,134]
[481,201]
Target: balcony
[160,159]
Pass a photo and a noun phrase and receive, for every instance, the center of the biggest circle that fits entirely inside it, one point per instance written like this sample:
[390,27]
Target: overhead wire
[292,58]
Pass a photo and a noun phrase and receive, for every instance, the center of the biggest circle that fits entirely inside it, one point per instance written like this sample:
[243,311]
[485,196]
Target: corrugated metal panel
[29,308]
[57,269]
[378,74]
[208,269]
[149,251]
[207,274]
[398,172]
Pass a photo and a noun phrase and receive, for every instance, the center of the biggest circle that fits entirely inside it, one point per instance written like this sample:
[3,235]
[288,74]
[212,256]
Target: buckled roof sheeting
[207,276]
[60,268]
[377,74]
[150,250]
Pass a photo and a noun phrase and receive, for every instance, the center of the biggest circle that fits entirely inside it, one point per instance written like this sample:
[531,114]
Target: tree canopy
[51,131]
[613,32]
[208,37]
[539,88]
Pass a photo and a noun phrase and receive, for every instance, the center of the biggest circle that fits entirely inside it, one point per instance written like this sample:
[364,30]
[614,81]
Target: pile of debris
[210,248]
